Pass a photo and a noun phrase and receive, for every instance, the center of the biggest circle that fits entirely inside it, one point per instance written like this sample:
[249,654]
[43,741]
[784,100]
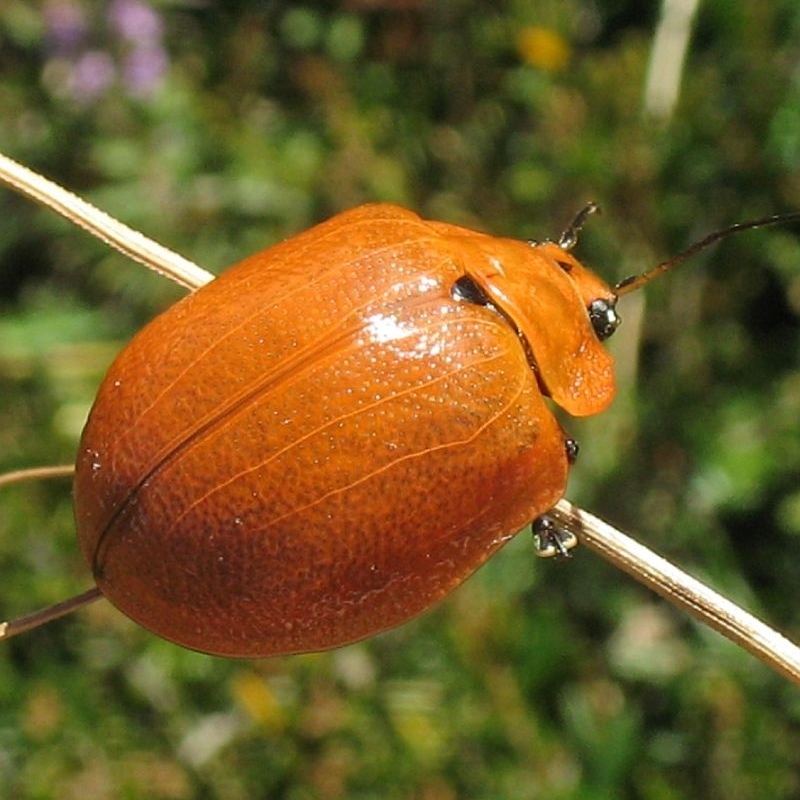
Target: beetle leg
[572,448]
[550,540]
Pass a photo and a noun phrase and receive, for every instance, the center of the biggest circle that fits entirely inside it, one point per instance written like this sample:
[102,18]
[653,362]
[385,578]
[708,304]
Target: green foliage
[220,128]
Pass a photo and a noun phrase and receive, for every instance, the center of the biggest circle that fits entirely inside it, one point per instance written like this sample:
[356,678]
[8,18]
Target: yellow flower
[543,48]
[255,696]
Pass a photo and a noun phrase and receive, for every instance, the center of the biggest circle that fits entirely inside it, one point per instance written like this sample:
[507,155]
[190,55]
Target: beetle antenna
[569,237]
[637,281]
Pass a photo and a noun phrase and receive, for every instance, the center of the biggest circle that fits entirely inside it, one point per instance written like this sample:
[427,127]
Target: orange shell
[322,443]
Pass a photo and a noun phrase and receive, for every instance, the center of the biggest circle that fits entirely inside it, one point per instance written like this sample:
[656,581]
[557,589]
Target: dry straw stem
[99,224]
[638,561]
[37,618]
[682,590]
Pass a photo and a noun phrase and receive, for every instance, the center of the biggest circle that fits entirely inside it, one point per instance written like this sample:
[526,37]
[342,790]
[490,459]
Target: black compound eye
[604,318]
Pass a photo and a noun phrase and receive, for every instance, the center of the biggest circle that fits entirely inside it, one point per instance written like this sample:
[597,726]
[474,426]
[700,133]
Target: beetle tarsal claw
[551,541]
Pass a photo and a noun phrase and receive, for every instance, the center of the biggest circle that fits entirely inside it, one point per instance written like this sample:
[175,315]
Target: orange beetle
[330,437]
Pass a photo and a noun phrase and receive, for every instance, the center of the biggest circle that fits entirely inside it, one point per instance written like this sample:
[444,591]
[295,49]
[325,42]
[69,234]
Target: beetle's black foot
[550,540]
[572,450]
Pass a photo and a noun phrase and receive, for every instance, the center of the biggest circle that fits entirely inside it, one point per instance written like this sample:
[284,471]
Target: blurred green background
[218,132]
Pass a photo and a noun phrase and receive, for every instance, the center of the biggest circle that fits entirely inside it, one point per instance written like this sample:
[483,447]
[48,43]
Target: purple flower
[123,47]
[143,70]
[65,24]
[92,73]
[135,21]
